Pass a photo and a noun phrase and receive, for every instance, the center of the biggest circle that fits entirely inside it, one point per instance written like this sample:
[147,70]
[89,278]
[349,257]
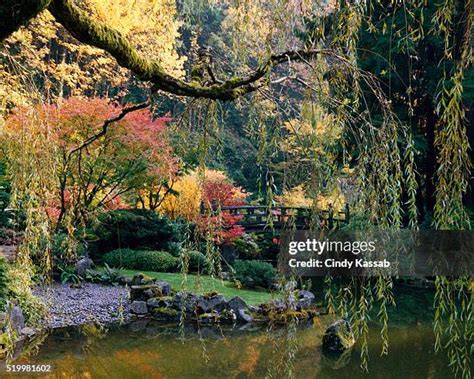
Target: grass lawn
[203,284]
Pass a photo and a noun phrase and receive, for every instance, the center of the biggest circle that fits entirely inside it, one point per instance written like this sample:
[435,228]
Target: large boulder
[217,302]
[82,265]
[159,302]
[243,315]
[202,305]
[338,338]
[144,292]
[240,309]
[305,299]
[210,302]
[139,307]
[149,290]
[185,300]
[236,303]
[164,287]
[140,280]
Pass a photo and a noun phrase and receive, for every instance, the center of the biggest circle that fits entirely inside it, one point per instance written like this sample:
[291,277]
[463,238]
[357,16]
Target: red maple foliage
[132,153]
[221,226]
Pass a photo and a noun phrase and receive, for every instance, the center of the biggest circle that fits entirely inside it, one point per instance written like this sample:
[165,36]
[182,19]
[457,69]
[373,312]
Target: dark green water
[155,351]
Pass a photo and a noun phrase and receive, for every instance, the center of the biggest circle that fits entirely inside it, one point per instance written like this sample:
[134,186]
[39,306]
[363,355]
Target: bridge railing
[256,217]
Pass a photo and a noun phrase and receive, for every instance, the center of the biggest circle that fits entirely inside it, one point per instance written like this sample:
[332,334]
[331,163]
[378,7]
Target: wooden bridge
[258,218]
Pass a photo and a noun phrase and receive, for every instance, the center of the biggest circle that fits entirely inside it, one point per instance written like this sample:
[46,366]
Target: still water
[150,350]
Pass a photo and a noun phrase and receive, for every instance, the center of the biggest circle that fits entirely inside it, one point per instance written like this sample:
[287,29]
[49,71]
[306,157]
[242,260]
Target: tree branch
[95,33]
[106,124]
[98,34]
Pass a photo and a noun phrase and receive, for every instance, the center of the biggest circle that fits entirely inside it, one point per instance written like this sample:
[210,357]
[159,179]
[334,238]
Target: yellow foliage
[150,25]
[311,134]
[335,198]
[186,202]
[44,49]
[296,197]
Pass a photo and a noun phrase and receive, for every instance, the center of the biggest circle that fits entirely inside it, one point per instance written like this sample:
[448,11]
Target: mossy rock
[338,337]
[288,315]
[209,295]
[165,313]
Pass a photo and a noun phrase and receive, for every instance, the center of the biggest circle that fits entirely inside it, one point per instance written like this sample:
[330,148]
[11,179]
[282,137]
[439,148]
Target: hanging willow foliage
[384,148]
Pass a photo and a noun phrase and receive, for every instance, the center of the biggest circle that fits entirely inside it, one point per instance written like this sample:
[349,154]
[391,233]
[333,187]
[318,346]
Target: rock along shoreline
[140,297]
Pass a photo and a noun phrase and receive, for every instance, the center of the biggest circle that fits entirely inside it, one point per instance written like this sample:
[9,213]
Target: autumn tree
[131,156]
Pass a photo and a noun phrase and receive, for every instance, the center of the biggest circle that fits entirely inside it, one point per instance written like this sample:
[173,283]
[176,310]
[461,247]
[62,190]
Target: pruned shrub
[146,260]
[134,229]
[254,273]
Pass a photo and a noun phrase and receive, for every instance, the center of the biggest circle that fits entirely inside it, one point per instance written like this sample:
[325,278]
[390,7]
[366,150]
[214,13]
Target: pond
[152,350]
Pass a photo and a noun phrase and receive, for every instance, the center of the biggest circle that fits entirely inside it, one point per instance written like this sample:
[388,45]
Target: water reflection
[153,350]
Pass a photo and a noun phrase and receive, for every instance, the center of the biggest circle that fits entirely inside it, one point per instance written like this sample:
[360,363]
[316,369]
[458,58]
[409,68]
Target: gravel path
[93,303]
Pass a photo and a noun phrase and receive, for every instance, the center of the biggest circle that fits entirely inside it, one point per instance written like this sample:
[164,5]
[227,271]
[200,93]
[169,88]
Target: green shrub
[247,247]
[134,229]
[254,273]
[68,275]
[142,260]
[106,276]
[3,283]
[174,248]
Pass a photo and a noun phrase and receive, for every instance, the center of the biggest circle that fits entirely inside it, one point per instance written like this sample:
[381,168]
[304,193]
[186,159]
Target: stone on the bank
[305,299]
[28,332]
[217,303]
[82,265]
[202,305]
[185,300]
[164,287]
[244,316]
[17,320]
[144,292]
[139,307]
[338,337]
[240,309]
[236,303]
[165,314]
[140,280]
[159,302]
